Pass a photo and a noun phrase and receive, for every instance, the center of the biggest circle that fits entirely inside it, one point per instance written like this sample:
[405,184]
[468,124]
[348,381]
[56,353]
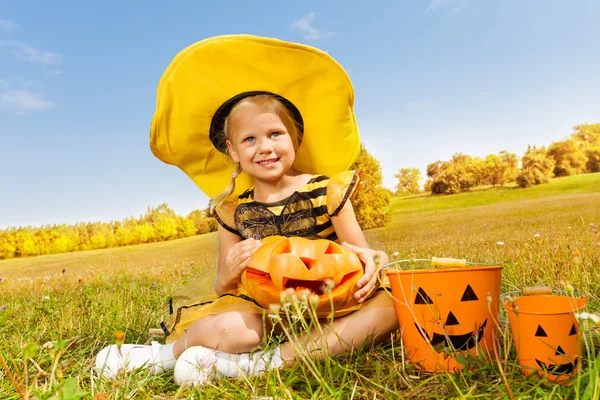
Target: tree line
[161,223]
[158,224]
[579,153]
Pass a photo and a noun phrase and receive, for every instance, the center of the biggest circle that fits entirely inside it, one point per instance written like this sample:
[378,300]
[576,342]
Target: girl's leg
[231,332]
[371,324]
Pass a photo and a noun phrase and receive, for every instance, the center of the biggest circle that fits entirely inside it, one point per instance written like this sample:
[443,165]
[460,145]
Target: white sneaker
[195,366]
[111,360]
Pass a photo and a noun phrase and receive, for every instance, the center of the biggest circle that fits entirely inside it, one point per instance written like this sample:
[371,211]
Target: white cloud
[457,5]
[21,96]
[9,26]
[309,32]
[24,51]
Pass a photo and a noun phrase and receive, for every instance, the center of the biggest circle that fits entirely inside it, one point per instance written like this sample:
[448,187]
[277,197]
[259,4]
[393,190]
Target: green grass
[548,234]
[588,183]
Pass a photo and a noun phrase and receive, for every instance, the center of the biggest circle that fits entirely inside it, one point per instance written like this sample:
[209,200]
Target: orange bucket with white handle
[447,312]
[546,333]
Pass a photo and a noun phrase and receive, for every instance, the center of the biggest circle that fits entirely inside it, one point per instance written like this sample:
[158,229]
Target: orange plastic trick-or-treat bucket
[546,333]
[446,313]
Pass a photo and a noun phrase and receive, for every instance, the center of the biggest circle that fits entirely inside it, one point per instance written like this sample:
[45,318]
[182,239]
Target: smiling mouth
[557,369]
[458,342]
[268,162]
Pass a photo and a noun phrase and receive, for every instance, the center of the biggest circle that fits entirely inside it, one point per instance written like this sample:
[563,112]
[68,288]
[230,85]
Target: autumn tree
[593,162]
[569,157]
[536,167]
[372,198]
[588,134]
[511,161]
[408,180]
[452,176]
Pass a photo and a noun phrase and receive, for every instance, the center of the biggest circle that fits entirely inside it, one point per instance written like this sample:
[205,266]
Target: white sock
[252,364]
[166,357]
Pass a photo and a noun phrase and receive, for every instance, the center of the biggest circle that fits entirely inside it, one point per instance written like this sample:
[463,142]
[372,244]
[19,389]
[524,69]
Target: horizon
[431,77]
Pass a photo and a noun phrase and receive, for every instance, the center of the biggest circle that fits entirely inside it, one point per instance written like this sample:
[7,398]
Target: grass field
[70,305]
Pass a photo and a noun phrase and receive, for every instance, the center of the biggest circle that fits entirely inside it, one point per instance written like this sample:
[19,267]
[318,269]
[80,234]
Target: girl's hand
[236,261]
[369,282]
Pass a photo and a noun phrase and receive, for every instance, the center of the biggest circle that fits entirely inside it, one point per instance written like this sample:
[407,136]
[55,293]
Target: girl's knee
[236,332]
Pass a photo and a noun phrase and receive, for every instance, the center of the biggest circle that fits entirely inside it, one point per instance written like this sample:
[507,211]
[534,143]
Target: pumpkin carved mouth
[557,369]
[458,342]
[314,286]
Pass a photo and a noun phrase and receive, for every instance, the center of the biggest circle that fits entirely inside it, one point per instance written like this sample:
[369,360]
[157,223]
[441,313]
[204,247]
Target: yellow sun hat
[210,75]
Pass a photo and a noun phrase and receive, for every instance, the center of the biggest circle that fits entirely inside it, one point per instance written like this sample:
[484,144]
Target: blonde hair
[267,104]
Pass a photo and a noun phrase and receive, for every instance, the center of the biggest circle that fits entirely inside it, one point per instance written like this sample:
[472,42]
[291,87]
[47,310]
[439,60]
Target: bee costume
[194,97]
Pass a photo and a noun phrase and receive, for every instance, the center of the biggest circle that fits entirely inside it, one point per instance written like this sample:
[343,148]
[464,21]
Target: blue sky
[431,77]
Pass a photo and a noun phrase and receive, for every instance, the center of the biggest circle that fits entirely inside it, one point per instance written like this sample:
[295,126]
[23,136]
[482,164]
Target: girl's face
[260,142]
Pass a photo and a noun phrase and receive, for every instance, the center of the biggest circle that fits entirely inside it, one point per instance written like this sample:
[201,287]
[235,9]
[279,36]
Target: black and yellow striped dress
[306,213]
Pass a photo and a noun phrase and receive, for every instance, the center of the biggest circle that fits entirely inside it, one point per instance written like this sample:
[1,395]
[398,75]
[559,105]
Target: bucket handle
[536,290]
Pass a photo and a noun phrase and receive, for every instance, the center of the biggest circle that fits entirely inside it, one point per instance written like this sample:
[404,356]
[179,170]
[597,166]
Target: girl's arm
[349,233]
[234,255]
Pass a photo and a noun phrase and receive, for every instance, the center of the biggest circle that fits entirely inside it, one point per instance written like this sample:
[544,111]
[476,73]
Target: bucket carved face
[547,335]
[446,314]
[446,320]
[553,345]
[303,265]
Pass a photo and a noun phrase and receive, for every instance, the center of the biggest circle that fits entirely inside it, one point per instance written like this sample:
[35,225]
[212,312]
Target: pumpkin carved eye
[469,294]
[422,297]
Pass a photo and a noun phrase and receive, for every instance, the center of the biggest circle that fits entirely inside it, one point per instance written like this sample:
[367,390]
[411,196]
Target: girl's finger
[241,267]
[245,256]
[369,272]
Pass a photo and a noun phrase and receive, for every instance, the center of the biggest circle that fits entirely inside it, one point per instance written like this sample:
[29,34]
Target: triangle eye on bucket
[540,332]
[573,330]
[422,297]
[469,294]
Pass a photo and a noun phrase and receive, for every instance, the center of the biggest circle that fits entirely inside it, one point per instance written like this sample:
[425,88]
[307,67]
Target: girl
[278,146]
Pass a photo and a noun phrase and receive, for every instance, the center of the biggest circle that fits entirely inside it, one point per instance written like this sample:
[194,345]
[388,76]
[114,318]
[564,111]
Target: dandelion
[274,308]
[588,316]
[48,345]
[119,337]
[576,257]
[568,288]
[396,254]
[313,299]
[303,295]
[537,235]
[329,285]
[500,243]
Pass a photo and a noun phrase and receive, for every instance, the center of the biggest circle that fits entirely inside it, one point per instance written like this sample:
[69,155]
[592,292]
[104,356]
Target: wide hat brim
[206,74]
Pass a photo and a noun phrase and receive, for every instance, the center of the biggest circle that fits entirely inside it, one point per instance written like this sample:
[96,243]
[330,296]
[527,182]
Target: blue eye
[249,139]
[275,134]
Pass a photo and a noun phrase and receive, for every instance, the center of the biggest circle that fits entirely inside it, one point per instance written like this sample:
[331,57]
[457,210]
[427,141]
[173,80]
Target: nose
[265,146]
[451,320]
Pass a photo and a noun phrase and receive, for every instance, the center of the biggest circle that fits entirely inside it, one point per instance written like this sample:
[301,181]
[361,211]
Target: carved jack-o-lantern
[304,265]
[445,311]
[546,334]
